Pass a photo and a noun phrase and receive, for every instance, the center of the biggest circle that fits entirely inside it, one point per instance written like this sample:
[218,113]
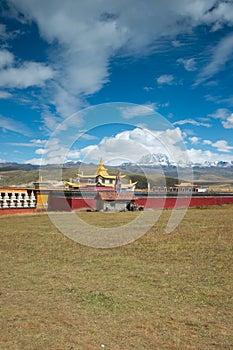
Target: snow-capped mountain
[160,159]
[217,164]
[153,159]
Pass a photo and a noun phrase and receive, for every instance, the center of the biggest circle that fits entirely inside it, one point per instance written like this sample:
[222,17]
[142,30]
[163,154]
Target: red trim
[9,211]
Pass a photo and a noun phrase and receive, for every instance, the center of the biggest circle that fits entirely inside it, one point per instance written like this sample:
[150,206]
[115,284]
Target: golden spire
[101,170]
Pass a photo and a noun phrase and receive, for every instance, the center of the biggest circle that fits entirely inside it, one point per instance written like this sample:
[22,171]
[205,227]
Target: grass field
[164,291]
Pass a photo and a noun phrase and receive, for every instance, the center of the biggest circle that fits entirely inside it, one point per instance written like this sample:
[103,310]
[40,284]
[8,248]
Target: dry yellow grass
[221,188]
[164,291]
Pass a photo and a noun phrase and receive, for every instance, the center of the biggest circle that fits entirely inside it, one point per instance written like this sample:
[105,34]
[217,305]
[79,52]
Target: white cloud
[227,100]
[21,76]
[35,161]
[222,146]
[222,53]
[192,122]
[221,113]
[89,34]
[226,117]
[166,79]
[125,146]
[137,110]
[73,154]
[177,43]
[50,121]
[131,145]
[85,136]
[41,151]
[221,14]
[38,142]
[20,144]
[194,140]
[148,88]
[5,95]
[13,125]
[54,153]
[200,156]
[3,33]
[220,100]
[211,83]
[65,101]
[207,142]
[31,143]
[228,123]
[6,58]
[189,64]
[29,74]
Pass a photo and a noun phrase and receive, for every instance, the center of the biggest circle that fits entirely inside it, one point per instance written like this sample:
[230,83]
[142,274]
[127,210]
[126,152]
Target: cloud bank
[86,35]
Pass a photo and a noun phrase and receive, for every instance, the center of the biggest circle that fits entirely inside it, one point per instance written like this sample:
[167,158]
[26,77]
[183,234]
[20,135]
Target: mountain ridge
[161,159]
[148,160]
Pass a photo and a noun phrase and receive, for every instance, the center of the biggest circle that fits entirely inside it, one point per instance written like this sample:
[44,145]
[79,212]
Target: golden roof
[101,170]
[185,184]
[123,186]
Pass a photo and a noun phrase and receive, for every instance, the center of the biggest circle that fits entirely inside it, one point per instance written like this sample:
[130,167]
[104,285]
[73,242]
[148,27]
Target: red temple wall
[179,202]
[62,204]
[67,204]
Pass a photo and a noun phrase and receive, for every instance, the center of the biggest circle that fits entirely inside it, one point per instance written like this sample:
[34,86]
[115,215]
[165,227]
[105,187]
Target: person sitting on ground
[131,206]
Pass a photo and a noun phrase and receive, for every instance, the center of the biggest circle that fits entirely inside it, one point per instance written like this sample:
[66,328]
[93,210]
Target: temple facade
[102,179]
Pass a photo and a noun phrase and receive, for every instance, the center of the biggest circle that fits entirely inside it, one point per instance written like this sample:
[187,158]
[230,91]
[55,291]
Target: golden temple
[101,178]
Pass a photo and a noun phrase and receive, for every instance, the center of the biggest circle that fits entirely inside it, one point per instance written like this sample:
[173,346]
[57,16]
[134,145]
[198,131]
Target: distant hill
[25,174]
[18,177]
[16,166]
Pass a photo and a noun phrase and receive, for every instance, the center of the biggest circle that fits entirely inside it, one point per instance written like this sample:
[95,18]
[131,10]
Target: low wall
[183,202]
[75,201]
[68,204]
[17,200]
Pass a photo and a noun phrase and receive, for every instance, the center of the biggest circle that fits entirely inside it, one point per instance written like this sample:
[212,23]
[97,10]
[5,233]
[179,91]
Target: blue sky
[159,60]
